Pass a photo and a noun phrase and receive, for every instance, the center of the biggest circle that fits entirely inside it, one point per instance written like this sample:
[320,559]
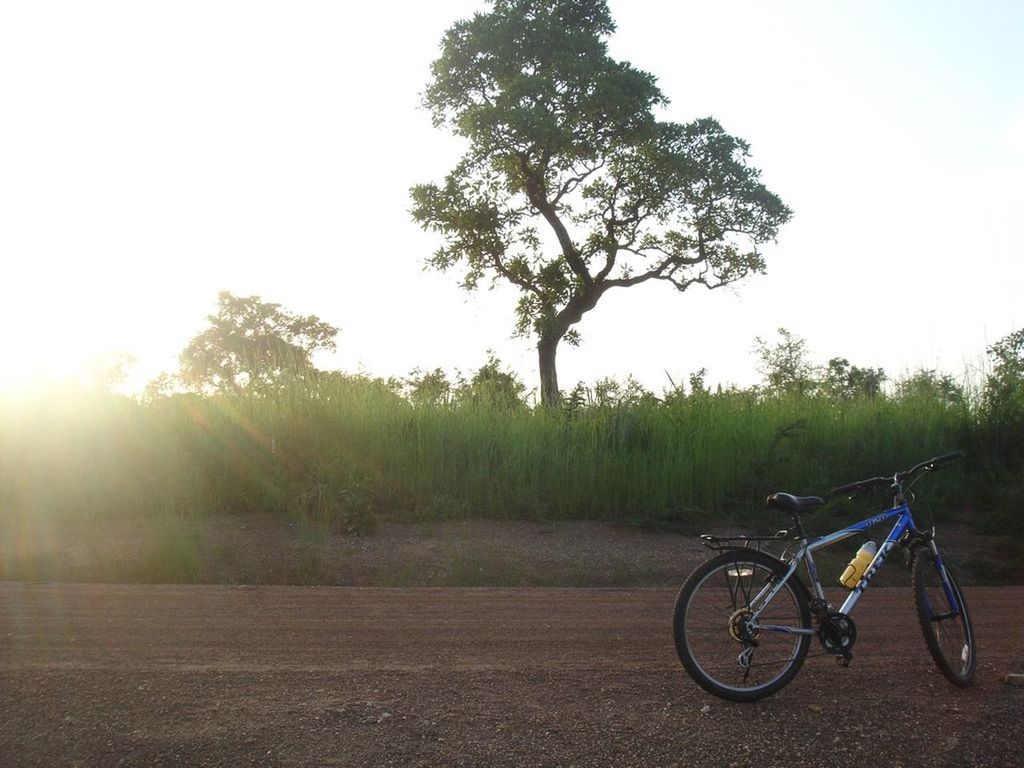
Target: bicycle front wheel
[944,619]
[716,646]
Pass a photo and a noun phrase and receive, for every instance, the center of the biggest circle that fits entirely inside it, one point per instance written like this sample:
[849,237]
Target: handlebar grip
[934,463]
[848,489]
[852,489]
[944,459]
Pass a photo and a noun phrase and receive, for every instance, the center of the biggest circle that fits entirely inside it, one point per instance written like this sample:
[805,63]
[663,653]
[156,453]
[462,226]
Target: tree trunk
[547,347]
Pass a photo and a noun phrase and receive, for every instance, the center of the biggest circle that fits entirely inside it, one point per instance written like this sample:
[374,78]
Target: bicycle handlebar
[852,489]
[937,462]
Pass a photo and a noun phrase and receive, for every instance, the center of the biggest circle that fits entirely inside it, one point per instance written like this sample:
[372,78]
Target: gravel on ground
[118,675]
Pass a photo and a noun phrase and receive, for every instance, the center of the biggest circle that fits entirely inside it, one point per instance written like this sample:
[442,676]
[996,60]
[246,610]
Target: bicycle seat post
[800,528]
[794,505]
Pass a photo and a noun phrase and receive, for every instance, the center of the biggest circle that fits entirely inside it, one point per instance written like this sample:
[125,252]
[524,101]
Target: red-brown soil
[106,675]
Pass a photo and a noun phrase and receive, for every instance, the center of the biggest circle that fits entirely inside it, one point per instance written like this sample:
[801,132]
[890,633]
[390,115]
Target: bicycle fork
[947,587]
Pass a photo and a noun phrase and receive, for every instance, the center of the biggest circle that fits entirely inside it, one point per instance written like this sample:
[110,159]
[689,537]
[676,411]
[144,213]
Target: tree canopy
[490,386]
[571,186]
[252,344]
[1005,384]
[785,365]
[1003,398]
[788,370]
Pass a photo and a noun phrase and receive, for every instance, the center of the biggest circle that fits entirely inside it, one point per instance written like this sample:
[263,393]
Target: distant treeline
[340,450]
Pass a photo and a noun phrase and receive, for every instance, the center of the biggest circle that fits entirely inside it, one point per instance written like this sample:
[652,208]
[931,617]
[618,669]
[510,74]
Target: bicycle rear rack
[758,543]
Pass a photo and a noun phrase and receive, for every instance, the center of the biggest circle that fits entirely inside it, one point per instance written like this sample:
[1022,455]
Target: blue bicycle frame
[770,614]
[904,524]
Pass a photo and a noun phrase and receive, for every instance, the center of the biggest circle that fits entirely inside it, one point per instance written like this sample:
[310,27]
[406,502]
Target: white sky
[152,154]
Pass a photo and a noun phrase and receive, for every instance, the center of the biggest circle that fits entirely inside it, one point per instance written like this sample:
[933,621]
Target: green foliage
[562,136]
[337,454]
[251,344]
[493,387]
[162,385]
[609,393]
[335,451]
[842,380]
[1003,403]
[322,507]
[489,386]
[787,370]
[1004,389]
[785,365]
[928,384]
[428,388]
[698,386]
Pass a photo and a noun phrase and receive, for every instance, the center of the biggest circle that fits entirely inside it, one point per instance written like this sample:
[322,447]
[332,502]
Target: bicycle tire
[949,636]
[705,633]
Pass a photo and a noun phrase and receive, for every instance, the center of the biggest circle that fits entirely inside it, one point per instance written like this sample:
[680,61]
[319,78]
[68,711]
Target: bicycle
[744,620]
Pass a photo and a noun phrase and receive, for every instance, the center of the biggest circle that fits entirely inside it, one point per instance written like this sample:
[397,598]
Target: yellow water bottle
[858,565]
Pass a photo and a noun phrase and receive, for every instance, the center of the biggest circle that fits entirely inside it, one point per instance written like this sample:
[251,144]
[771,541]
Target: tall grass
[346,448]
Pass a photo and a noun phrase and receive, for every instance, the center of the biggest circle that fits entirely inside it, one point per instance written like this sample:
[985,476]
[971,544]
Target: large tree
[253,344]
[570,186]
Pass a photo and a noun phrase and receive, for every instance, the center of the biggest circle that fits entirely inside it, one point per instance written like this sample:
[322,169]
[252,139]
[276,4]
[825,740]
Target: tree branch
[573,183]
[500,267]
[537,196]
[664,270]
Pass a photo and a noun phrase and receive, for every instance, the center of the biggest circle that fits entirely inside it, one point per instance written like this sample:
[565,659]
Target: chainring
[837,633]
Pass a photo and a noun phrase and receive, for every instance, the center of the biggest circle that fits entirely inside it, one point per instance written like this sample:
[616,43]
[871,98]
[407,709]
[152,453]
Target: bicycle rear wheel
[944,618]
[713,644]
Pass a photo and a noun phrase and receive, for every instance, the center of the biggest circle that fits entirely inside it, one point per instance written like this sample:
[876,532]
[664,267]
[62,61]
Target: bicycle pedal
[844,661]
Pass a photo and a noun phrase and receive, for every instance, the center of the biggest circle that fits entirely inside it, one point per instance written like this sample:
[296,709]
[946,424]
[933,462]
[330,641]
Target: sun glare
[26,380]
[37,361]
[63,336]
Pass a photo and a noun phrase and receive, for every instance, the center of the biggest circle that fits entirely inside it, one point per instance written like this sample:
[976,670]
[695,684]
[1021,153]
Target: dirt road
[99,675]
